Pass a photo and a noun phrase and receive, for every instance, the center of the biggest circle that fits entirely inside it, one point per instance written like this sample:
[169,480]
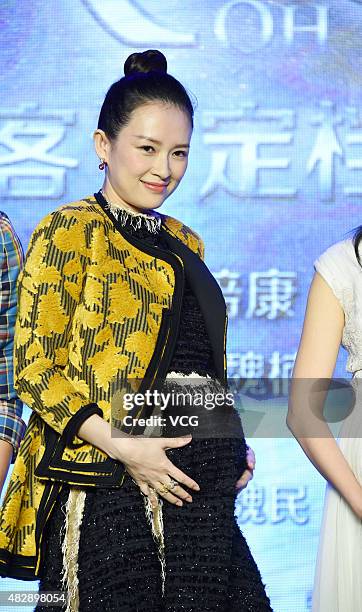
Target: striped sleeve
[47,301]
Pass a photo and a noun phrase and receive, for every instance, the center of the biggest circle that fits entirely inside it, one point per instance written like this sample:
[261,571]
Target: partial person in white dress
[333,317]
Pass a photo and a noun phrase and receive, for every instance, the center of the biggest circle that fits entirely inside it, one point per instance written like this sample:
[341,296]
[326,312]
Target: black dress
[208,565]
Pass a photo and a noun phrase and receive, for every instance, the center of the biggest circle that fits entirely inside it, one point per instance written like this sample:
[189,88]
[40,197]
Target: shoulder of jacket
[5,223]
[78,211]
[9,239]
[185,233]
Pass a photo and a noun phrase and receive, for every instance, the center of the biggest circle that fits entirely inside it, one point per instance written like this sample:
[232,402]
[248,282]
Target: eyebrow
[185,146]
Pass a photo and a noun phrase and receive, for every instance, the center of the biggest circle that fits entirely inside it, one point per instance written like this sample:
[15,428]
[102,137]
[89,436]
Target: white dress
[338,576]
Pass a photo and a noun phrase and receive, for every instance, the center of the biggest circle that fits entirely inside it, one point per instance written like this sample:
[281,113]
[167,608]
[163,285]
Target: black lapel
[208,293]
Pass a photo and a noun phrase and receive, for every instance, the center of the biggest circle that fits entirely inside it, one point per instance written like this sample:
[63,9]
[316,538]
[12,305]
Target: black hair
[146,80]
[357,237]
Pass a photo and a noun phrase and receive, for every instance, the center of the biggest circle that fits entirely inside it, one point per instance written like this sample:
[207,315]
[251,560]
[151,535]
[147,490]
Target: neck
[113,200]
[136,219]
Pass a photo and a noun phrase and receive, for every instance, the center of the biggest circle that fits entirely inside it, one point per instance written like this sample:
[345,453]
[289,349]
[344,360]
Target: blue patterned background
[275,176]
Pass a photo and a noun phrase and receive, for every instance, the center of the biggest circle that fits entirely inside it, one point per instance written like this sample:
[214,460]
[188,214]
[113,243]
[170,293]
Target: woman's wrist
[97,431]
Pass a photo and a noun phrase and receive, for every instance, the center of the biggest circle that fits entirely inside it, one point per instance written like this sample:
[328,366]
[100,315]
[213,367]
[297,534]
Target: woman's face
[148,159]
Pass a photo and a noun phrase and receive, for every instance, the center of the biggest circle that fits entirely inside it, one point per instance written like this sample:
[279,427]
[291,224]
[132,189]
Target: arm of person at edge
[6,453]
[316,359]
[12,426]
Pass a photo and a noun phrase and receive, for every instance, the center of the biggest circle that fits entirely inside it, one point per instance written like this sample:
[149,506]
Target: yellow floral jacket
[96,308]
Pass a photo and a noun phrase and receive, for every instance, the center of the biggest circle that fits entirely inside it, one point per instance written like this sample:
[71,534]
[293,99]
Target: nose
[161,167]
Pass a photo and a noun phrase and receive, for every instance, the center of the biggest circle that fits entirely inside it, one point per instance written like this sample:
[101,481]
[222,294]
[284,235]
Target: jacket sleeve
[196,243]
[201,248]
[12,426]
[49,287]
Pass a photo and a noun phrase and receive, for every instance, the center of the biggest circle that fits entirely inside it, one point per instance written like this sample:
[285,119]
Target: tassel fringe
[70,545]
[155,519]
[151,221]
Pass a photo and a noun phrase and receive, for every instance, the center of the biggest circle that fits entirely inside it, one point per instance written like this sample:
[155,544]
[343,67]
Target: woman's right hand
[148,465]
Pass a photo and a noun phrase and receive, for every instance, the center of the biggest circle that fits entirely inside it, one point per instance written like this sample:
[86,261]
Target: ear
[101,144]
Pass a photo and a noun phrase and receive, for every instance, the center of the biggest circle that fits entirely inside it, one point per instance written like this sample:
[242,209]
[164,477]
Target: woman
[115,297]
[333,316]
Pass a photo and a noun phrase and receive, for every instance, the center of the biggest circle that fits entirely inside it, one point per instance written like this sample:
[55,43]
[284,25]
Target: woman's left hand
[249,472]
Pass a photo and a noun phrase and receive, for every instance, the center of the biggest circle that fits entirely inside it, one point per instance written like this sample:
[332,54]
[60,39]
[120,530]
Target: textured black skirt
[208,564]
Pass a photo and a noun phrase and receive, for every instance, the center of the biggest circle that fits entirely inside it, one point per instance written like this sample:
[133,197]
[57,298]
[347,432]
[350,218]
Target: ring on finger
[171,485]
[167,487]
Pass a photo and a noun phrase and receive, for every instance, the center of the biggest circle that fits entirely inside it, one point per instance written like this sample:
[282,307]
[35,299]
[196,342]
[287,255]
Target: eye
[144,147]
[183,153]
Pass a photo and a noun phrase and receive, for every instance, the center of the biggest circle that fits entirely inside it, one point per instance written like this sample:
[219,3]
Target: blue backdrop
[275,176]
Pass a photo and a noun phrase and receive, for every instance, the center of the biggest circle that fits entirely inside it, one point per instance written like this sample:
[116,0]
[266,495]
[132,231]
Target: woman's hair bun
[145,62]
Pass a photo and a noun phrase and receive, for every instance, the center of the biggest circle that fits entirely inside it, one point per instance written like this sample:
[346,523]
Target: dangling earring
[102,165]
